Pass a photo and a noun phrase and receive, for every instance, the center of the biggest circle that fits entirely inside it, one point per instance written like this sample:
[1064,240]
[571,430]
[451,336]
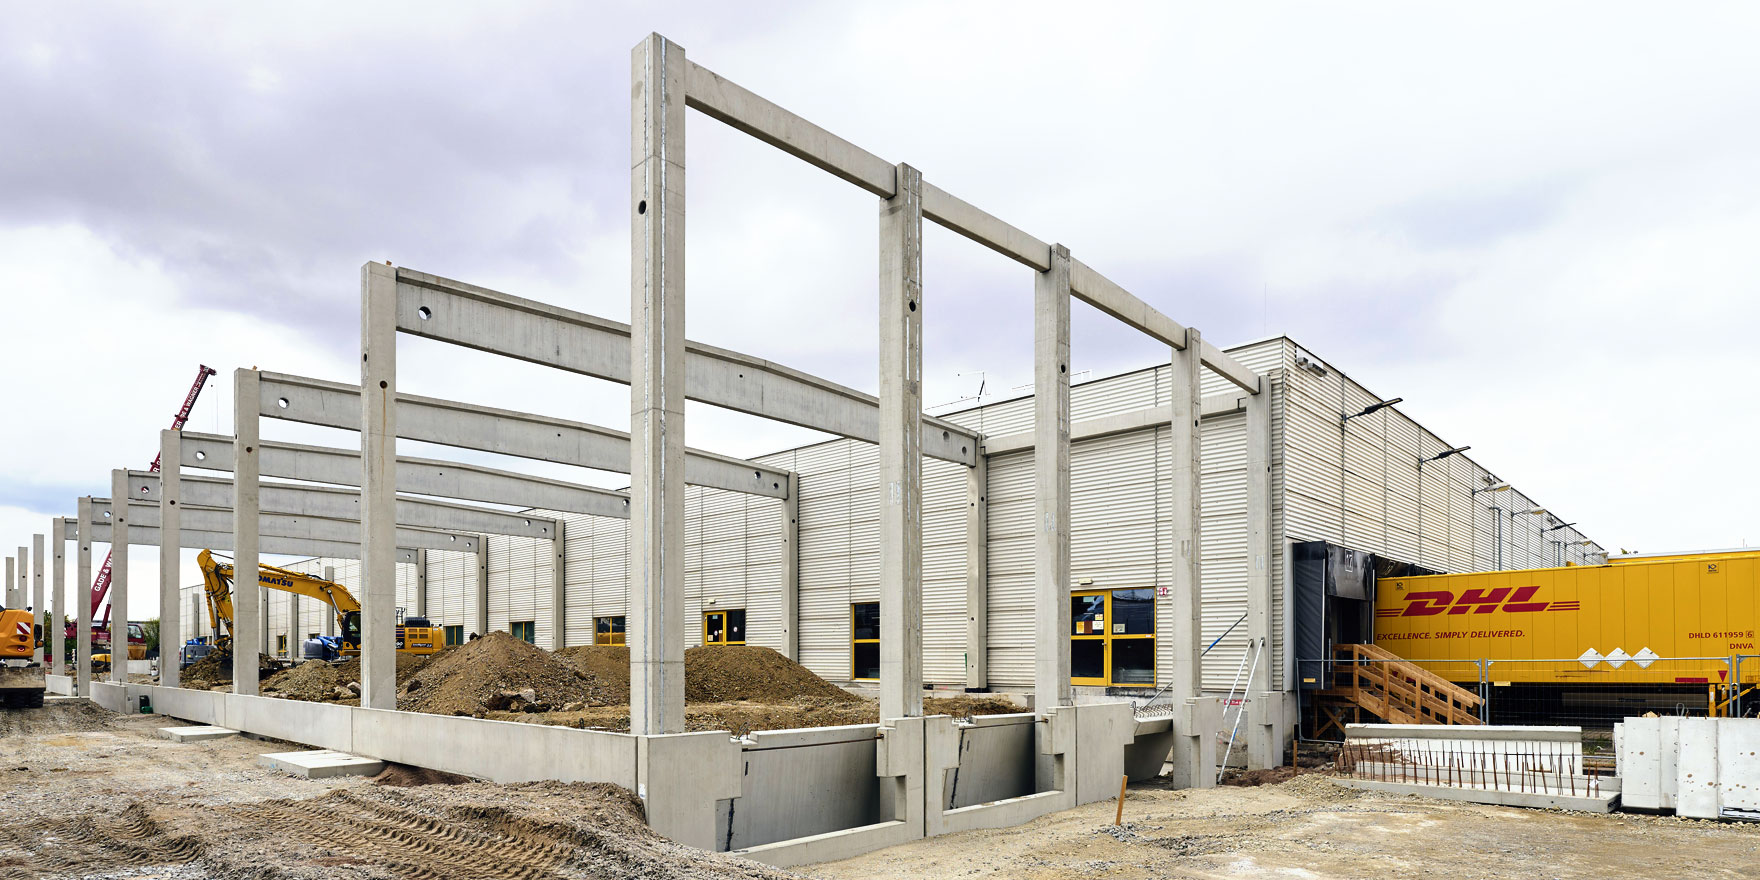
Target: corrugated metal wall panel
[944,572]
[1011,570]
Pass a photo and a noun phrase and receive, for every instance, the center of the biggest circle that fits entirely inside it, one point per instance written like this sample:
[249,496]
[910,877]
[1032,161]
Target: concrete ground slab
[321,764]
[201,733]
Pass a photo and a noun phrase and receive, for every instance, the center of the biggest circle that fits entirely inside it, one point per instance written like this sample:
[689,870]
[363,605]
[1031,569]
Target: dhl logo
[1512,599]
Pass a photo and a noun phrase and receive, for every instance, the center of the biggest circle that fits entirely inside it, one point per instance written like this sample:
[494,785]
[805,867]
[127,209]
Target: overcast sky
[1538,224]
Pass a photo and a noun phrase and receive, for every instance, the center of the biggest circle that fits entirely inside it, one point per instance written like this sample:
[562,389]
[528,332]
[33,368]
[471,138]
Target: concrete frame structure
[1072,753]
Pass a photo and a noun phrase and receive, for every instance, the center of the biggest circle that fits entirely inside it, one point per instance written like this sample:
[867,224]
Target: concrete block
[681,776]
[321,764]
[1601,804]
[1102,733]
[1738,767]
[60,684]
[1696,790]
[195,734]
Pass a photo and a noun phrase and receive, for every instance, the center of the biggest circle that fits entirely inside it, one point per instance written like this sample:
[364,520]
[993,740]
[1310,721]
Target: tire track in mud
[532,831]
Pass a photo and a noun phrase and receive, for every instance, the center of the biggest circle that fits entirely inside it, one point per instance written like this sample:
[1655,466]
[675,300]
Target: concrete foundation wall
[996,761]
[801,783]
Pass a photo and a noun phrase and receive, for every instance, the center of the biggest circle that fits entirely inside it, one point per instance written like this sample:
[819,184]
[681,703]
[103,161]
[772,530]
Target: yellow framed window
[864,641]
[608,630]
[1112,638]
[726,627]
[524,630]
[281,645]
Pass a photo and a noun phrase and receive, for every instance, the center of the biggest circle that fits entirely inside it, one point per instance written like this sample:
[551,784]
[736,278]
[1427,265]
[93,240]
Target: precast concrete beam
[419,476]
[119,586]
[380,473]
[192,539]
[901,459]
[1181,627]
[37,604]
[791,568]
[170,552]
[1265,727]
[345,504]
[246,456]
[83,599]
[1145,419]
[482,319]
[978,575]
[1051,496]
[146,514]
[58,591]
[654,358]
[523,435]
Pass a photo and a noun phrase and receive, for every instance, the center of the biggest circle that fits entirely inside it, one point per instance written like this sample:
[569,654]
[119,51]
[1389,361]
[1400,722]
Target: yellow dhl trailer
[1637,622]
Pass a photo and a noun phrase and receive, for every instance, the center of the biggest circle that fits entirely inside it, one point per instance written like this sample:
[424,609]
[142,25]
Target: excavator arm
[217,579]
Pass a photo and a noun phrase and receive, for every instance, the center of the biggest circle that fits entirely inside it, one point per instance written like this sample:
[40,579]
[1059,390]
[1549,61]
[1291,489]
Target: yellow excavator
[414,636]
[21,678]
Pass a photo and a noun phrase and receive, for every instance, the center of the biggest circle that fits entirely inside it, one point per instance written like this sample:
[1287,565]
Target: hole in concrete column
[424,313]
[201,456]
[642,206]
[1061,368]
[247,449]
[775,485]
[382,383]
[962,450]
[944,435]
[913,305]
[281,402]
[528,522]
[757,475]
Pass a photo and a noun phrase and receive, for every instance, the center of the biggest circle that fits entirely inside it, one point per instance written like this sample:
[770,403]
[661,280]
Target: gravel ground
[1312,828]
[92,795]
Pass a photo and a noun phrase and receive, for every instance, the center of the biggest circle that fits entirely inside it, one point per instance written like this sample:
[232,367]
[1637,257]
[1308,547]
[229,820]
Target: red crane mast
[101,584]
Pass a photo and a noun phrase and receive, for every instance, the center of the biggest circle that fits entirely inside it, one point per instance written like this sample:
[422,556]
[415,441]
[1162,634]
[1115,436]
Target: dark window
[864,640]
[1133,661]
[1087,658]
[1133,613]
[736,626]
[455,635]
[524,630]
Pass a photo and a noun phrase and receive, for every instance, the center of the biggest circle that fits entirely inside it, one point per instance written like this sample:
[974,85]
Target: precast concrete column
[482,586]
[293,626]
[1183,629]
[791,568]
[421,583]
[58,593]
[1051,630]
[901,439]
[195,615]
[330,613]
[13,598]
[264,600]
[83,597]
[18,579]
[119,576]
[978,573]
[38,607]
[247,610]
[559,587]
[657,388]
[378,486]
[170,555]
[1264,727]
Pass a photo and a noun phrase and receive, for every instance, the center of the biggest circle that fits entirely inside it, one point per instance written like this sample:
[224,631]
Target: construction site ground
[1313,828]
[96,796]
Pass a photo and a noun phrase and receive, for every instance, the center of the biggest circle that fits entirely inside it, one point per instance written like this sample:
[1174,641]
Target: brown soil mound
[726,673]
[405,776]
[712,674]
[475,831]
[471,679]
[605,669]
[317,681]
[216,668]
[741,718]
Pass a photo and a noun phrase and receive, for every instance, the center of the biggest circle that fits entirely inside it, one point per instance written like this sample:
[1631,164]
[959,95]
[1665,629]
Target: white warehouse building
[1378,483]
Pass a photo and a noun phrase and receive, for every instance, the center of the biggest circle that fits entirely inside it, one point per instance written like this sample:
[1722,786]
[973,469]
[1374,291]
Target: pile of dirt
[405,776]
[322,682]
[495,672]
[712,674]
[605,668]
[743,717]
[728,673]
[216,669]
[539,831]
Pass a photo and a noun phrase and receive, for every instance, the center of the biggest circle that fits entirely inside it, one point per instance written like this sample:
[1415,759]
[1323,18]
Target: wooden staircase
[1368,683]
